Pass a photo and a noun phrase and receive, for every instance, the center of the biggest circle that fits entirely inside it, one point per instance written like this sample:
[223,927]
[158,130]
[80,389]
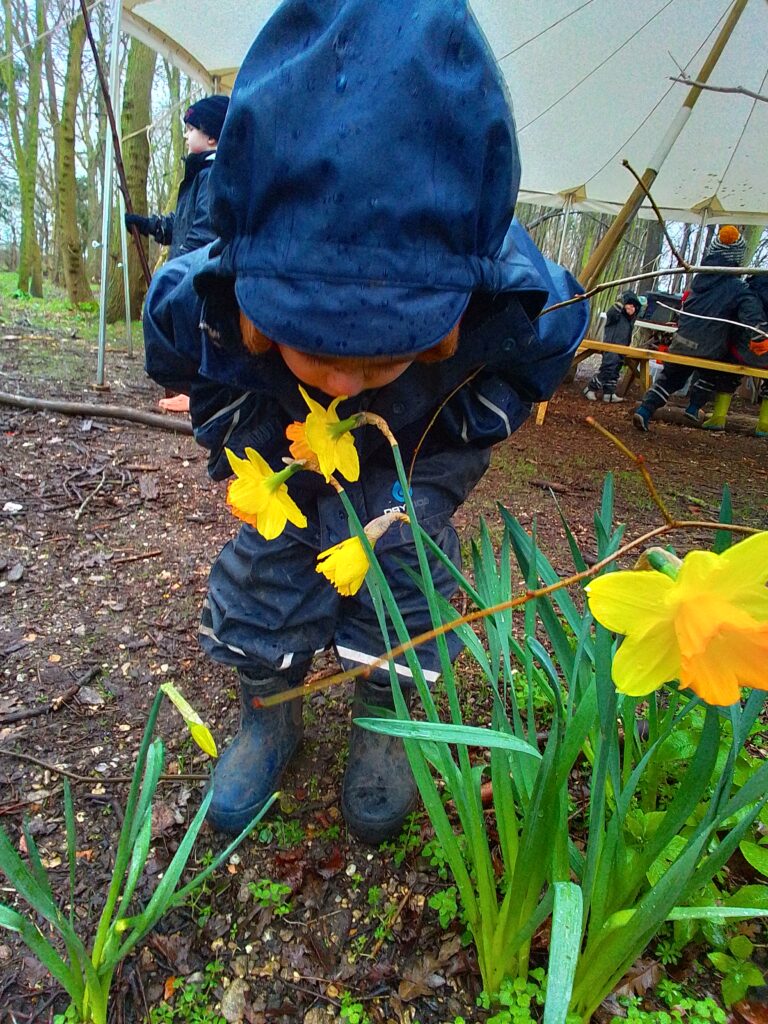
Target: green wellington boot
[719,413]
[761,430]
[379,790]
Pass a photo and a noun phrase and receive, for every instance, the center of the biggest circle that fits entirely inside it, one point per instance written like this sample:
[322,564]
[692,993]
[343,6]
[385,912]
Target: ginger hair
[258,343]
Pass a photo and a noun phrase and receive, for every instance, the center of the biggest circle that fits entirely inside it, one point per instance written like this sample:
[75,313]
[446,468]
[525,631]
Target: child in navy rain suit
[363,192]
[703,329]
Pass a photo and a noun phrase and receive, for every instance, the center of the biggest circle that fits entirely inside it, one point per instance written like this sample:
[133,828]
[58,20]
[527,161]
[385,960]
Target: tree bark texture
[25,136]
[136,114]
[76,280]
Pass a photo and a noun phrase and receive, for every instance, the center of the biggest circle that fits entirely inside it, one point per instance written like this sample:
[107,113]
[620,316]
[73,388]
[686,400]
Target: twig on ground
[112,779]
[640,462]
[89,498]
[135,558]
[55,704]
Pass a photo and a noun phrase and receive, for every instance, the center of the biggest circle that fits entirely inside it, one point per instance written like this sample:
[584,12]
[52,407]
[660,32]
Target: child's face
[630,308]
[337,376]
[197,140]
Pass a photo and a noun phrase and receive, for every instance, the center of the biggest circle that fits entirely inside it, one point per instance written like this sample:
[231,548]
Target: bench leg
[632,370]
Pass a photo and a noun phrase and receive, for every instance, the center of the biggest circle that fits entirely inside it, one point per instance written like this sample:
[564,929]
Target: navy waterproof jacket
[238,399]
[715,295]
[189,226]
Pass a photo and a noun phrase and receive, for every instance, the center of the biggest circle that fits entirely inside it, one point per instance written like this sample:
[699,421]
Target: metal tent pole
[106,212]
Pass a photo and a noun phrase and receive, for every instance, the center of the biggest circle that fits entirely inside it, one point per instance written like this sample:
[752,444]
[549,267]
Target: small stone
[87,695]
[318,1015]
[233,1001]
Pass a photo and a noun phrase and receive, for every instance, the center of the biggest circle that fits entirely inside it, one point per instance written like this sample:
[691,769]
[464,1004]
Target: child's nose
[344,382]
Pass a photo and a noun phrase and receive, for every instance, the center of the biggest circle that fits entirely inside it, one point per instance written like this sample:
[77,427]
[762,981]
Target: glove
[759,346]
[146,225]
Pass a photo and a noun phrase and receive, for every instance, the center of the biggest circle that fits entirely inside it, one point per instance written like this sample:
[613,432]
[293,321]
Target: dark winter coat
[740,348]
[189,226]
[238,399]
[618,325]
[715,295]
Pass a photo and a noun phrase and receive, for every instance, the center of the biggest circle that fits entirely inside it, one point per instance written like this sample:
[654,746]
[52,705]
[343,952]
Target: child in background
[702,331]
[746,350]
[619,321]
[363,194]
[189,226]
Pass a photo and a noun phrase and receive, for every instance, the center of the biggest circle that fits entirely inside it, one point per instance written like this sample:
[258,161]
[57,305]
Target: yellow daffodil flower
[345,565]
[198,730]
[260,497]
[707,626]
[330,439]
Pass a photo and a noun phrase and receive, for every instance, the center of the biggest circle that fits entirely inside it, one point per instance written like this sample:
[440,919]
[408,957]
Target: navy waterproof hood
[366,177]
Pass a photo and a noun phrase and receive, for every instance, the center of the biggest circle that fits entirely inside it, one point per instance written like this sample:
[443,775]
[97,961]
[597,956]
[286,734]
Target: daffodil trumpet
[704,623]
[330,438]
[346,564]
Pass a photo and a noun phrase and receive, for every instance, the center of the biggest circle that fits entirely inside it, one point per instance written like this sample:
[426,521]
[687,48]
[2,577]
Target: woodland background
[53,133]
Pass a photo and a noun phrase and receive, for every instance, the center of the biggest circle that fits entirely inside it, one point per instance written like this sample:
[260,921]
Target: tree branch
[738,89]
[116,412]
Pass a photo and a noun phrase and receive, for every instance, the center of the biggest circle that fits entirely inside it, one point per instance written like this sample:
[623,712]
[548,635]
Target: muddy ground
[107,533]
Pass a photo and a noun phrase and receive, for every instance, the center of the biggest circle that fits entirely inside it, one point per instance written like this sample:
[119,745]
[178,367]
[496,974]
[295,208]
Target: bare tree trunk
[25,135]
[136,114]
[52,251]
[78,289]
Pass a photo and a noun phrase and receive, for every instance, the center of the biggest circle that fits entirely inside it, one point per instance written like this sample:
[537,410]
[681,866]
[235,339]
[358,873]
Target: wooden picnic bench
[638,366]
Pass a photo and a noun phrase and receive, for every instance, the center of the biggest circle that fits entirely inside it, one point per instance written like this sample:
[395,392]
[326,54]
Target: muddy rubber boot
[641,417]
[719,413]
[379,790]
[249,770]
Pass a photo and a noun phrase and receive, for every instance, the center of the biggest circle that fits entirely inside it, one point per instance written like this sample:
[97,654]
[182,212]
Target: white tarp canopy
[590,84]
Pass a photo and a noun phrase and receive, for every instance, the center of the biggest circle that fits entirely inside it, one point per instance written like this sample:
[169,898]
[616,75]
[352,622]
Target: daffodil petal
[201,734]
[292,511]
[313,405]
[347,458]
[646,661]
[748,560]
[628,602]
[258,461]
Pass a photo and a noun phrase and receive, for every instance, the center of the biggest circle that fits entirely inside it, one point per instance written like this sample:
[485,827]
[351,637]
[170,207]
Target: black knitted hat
[208,115]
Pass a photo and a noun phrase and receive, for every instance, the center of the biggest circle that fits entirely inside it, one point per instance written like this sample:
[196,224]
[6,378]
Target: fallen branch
[87,409]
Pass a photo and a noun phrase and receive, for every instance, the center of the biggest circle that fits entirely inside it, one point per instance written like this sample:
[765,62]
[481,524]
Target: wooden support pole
[615,233]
